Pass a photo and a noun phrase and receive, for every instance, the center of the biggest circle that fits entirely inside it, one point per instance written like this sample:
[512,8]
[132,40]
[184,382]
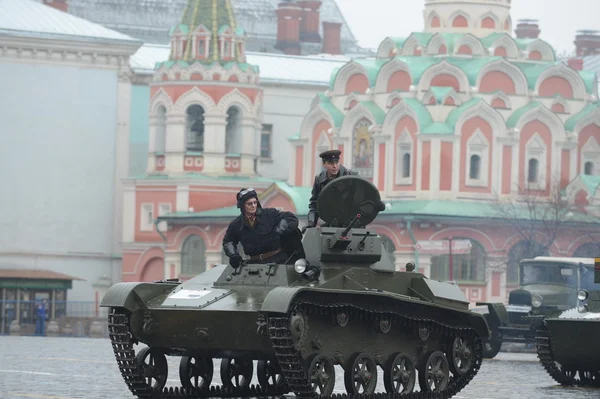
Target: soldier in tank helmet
[333,169]
[261,231]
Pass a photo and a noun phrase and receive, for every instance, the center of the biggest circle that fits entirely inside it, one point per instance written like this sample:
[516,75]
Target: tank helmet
[244,195]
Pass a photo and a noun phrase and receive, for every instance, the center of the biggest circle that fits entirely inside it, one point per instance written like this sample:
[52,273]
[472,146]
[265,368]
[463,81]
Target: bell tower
[205,107]
[478,17]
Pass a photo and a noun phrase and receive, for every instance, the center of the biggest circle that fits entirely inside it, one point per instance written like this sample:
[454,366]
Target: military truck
[547,287]
[568,346]
[342,304]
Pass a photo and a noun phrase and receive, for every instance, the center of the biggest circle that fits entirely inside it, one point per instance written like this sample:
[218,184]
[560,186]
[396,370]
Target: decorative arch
[354,116]
[160,98]
[351,101]
[474,234]
[194,96]
[581,247]
[387,71]
[593,118]
[563,71]
[500,100]
[153,270]
[187,231]
[311,120]
[472,42]
[560,105]
[145,257]
[236,98]
[435,43]
[487,113]
[460,19]
[434,20]
[410,45]
[547,117]
[502,66]
[509,44]
[489,20]
[393,99]
[395,114]
[344,74]
[387,48]
[544,49]
[444,68]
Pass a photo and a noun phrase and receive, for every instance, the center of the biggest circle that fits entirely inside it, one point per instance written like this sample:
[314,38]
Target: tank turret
[342,304]
[347,205]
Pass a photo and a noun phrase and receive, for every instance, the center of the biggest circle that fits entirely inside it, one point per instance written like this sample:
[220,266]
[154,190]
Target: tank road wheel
[434,372]
[196,372]
[461,356]
[153,365]
[590,378]
[236,372]
[269,374]
[321,375]
[361,372]
[399,375]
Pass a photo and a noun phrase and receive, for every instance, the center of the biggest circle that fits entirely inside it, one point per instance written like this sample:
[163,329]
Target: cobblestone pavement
[63,368]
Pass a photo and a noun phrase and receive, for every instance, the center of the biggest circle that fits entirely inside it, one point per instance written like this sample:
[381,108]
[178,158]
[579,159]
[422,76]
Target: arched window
[389,246]
[465,267]
[406,165]
[161,129]
[588,168]
[195,128]
[233,137]
[193,256]
[522,250]
[474,167]
[532,171]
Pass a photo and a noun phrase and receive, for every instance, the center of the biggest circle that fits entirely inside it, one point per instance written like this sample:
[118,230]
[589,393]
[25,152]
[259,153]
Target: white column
[128,222]
[175,145]
[172,258]
[213,258]
[182,199]
[434,168]
[214,144]
[121,153]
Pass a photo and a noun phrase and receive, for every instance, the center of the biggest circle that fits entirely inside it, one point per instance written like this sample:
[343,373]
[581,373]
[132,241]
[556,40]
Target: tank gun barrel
[351,225]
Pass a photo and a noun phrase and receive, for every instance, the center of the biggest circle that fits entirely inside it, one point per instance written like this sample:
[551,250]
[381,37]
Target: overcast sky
[372,20]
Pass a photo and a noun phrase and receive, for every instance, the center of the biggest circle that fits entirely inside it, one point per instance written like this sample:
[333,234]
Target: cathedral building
[467,131]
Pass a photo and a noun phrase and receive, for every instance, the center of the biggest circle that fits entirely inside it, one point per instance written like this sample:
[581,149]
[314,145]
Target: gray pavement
[70,368]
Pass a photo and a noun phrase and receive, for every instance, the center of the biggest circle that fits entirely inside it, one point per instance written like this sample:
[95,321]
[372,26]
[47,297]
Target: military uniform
[262,236]
[321,180]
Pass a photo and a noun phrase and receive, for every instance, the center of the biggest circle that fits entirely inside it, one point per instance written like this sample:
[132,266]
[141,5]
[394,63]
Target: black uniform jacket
[320,181]
[264,237]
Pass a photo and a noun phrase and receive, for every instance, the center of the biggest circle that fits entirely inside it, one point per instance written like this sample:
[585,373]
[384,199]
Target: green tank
[342,304]
[568,345]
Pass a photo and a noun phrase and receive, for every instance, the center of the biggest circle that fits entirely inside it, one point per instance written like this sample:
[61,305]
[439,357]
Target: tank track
[122,343]
[293,368]
[544,352]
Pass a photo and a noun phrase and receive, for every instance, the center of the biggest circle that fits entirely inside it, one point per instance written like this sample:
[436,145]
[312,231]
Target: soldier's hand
[235,261]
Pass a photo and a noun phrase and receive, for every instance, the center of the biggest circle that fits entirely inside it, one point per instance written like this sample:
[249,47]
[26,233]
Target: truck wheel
[491,348]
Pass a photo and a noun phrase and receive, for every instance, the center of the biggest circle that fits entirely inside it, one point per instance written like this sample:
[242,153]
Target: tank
[568,346]
[548,286]
[342,304]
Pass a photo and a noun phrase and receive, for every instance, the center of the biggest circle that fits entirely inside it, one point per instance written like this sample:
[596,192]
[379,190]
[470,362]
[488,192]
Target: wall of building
[284,108]
[60,124]
[138,139]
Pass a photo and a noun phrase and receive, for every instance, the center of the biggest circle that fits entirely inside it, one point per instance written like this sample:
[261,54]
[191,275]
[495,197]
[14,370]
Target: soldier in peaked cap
[332,169]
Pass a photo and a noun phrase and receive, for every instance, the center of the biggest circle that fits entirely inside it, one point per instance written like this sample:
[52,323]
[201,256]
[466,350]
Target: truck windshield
[549,273]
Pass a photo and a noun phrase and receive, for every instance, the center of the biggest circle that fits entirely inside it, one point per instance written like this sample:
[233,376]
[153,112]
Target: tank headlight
[582,295]
[536,301]
[300,266]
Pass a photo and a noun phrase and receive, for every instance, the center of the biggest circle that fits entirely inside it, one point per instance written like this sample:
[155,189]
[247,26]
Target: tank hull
[569,349]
